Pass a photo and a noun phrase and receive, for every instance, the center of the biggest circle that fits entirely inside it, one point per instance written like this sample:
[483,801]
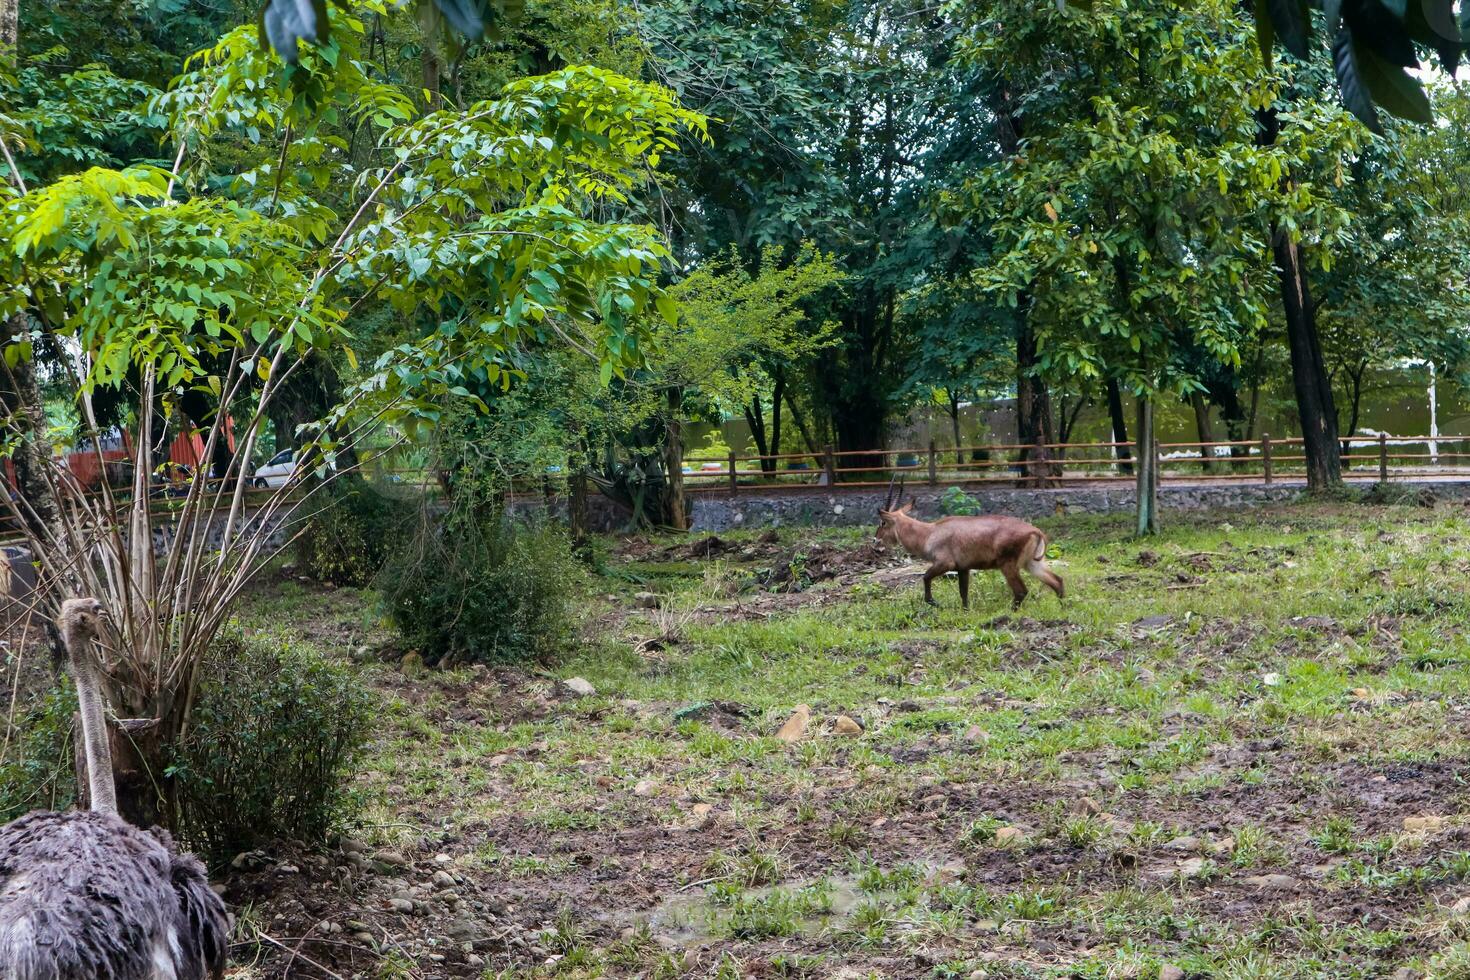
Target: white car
[277,471]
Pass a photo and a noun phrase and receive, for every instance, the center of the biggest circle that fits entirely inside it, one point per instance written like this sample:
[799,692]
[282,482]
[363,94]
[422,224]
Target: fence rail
[1265,460]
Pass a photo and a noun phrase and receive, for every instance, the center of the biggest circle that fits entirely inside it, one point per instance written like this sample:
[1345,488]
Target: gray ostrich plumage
[87,896]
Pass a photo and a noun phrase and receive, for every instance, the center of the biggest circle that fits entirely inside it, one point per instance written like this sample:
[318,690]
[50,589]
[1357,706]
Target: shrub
[272,740]
[957,503]
[352,533]
[478,586]
[36,770]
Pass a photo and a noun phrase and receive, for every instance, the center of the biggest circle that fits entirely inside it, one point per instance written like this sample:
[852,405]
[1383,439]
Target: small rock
[976,735]
[700,816]
[363,937]
[1461,906]
[1425,825]
[1272,679]
[250,861]
[1273,883]
[1089,806]
[350,846]
[795,727]
[1361,693]
[412,664]
[1186,844]
[443,879]
[1009,836]
[579,687]
[1407,973]
[1170,972]
[403,905]
[1192,867]
[473,961]
[390,859]
[645,600]
[464,930]
[443,859]
[843,725]
[645,787]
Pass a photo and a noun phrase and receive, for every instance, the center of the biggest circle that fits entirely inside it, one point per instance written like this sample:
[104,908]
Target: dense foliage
[271,746]
[351,530]
[481,586]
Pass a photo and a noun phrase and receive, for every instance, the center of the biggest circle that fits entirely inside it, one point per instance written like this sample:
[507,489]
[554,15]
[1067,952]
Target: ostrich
[87,896]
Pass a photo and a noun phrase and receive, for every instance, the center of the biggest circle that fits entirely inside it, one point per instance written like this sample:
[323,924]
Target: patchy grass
[1214,754]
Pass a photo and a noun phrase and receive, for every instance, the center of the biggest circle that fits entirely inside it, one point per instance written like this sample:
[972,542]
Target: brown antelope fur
[965,544]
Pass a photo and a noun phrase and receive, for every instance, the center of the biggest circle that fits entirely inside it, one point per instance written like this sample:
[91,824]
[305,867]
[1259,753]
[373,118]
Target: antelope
[965,544]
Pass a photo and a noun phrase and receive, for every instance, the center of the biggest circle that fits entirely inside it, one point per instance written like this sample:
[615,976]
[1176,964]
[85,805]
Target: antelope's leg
[964,588]
[933,572]
[1013,579]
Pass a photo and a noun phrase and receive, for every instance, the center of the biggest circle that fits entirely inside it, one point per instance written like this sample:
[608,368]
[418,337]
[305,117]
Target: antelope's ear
[885,517]
[904,508]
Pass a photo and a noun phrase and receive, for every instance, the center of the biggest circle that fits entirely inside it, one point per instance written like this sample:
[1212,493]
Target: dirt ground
[1237,751]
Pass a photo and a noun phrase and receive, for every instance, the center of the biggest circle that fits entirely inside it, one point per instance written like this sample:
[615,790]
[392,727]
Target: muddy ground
[1238,751]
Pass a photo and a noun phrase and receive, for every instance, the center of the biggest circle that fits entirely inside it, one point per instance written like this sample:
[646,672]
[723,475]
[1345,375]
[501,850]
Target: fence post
[829,463]
[933,464]
[734,477]
[1266,455]
[1382,457]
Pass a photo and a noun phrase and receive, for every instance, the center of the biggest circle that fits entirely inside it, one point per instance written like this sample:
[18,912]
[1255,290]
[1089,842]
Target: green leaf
[1293,24]
[1392,88]
[1355,95]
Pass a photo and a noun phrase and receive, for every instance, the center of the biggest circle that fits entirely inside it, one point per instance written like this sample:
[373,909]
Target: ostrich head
[80,620]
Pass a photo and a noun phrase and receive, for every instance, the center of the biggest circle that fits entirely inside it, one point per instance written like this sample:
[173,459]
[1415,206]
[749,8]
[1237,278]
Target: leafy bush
[350,537]
[957,503]
[478,586]
[36,770]
[275,732]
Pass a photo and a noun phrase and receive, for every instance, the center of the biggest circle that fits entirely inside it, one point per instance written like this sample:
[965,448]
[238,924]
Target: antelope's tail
[1039,554]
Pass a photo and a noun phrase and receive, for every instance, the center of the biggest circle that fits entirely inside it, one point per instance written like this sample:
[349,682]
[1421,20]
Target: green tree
[495,216]
[1128,221]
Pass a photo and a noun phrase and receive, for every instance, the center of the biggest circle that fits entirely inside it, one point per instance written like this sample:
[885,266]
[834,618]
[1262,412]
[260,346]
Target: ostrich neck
[94,725]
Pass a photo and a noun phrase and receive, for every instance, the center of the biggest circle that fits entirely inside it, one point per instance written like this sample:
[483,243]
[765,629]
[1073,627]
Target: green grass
[1304,692]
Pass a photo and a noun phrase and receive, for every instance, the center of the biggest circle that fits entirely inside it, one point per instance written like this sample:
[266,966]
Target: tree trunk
[577,504]
[1206,433]
[777,389]
[432,70]
[1222,392]
[1147,469]
[754,418]
[801,426]
[21,399]
[954,421]
[9,26]
[674,464]
[1120,425]
[1308,371]
[145,795]
[25,413]
[1033,413]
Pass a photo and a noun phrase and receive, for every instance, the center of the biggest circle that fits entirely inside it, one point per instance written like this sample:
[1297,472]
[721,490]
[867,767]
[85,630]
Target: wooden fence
[1265,460]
